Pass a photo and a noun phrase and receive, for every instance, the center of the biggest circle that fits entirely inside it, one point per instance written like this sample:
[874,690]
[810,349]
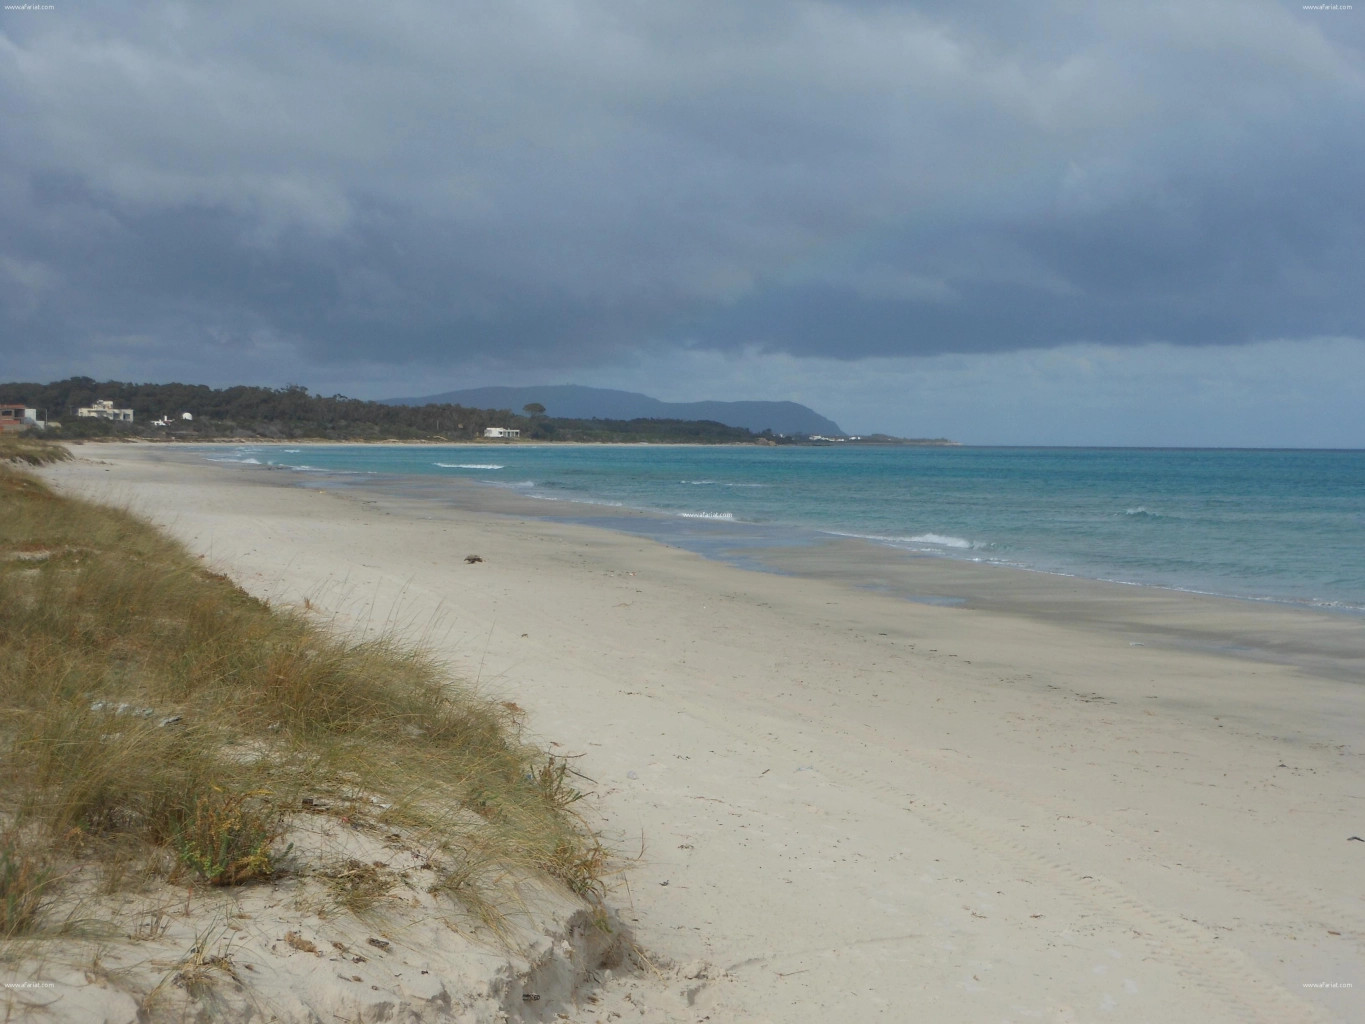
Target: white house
[501,432]
[104,410]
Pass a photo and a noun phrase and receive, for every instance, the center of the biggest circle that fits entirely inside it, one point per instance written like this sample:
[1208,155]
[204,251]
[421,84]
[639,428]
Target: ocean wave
[1142,511]
[720,483]
[585,501]
[942,540]
[240,462]
[938,540]
[708,515]
[467,465]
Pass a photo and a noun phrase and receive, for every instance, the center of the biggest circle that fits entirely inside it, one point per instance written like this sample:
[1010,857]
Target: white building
[501,432]
[104,410]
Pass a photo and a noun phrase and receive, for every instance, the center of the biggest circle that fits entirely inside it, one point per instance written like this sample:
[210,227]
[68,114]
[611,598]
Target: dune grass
[25,448]
[150,708]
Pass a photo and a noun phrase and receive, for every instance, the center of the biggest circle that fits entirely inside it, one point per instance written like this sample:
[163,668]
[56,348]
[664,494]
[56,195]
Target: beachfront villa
[507,432]
[104,410]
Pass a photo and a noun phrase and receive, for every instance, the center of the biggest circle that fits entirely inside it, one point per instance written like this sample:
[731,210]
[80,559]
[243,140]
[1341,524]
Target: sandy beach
[870,786]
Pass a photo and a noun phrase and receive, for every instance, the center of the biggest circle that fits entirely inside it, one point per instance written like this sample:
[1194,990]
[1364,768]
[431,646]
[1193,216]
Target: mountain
[573,401]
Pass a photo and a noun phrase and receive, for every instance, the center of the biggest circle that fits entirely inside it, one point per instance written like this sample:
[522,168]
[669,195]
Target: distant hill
[572,401]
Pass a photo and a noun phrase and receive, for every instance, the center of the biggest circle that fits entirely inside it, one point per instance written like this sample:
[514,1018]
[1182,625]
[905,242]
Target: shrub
[227,840]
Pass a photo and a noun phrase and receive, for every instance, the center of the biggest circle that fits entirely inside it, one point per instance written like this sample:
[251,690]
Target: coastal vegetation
[293,413]
[24,448]
[160,725]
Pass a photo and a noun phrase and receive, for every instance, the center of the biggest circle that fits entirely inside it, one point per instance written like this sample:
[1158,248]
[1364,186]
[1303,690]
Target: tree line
[294,413]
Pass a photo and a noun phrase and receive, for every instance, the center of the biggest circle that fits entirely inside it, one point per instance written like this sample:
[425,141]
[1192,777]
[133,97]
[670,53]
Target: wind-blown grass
[25,448]
[149,705]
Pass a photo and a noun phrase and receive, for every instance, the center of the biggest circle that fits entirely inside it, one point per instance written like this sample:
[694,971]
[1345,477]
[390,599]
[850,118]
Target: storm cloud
[562,184]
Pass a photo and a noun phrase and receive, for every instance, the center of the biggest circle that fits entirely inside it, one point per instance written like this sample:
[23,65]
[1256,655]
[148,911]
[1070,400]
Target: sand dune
[1052,800]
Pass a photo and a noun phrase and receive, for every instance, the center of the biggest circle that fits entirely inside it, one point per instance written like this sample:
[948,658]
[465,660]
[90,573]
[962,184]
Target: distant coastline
[909,442]
[81,408]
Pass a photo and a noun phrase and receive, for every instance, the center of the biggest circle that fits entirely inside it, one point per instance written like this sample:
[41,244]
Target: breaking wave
[942,541]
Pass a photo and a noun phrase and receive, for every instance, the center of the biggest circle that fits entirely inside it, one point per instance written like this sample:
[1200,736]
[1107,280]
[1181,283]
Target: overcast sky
[1009,223]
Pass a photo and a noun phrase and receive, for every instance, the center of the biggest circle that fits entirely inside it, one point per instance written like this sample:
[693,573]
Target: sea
[1270,525]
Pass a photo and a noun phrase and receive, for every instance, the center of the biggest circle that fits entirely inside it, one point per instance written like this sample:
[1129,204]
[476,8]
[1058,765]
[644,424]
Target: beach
[866,785]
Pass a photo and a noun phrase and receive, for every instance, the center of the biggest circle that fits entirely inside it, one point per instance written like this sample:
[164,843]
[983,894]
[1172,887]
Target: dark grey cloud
[557,184]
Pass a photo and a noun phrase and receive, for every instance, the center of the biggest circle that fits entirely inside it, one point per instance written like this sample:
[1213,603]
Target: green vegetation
[229,838]
[294,413]
[155,717]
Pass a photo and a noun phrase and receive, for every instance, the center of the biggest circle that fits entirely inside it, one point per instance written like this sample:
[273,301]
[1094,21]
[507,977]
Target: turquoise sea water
[1273,525]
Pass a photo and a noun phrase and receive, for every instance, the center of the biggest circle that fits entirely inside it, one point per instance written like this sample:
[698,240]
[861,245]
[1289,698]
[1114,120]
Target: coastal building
[104,410]
[501,432]
[17,417]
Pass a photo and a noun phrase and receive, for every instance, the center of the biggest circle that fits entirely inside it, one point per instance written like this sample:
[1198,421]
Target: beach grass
[154,713]
[34,451]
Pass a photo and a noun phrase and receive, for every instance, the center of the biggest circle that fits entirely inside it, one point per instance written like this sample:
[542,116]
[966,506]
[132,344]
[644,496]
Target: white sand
[866,808]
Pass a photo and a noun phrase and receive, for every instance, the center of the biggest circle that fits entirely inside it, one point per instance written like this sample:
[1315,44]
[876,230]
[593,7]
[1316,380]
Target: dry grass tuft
[34,451]
[153,710]
[358,887]
[475,880]
[196,971]
[300,943]
[24,881]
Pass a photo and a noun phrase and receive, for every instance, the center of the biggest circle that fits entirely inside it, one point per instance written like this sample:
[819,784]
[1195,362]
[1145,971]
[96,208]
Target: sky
[1046,223]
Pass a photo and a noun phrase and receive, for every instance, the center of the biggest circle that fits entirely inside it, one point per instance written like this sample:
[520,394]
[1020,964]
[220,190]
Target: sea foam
[721,483]
[942,541]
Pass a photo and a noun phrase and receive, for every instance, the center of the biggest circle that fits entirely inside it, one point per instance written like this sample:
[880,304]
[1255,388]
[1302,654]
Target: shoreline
[1261,630]
[601,512]
[863,807]
[680,444]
